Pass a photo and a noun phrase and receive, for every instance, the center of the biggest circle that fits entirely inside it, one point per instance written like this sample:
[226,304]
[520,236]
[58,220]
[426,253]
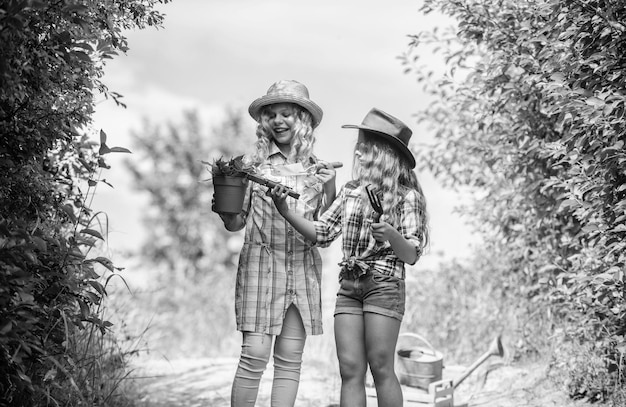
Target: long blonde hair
[301,144]
[382,166]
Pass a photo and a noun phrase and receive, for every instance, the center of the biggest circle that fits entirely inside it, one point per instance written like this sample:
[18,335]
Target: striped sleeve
[328,227]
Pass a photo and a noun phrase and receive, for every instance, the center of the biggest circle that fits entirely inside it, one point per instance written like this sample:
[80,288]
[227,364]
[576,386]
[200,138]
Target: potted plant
[230,179]
[229,183]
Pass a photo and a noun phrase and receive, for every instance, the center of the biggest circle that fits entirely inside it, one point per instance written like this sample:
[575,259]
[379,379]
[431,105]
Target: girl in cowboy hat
[278,294]
[371,298]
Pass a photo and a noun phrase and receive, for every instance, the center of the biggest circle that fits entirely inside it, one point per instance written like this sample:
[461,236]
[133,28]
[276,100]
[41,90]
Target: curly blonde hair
[301,144]
[382,166]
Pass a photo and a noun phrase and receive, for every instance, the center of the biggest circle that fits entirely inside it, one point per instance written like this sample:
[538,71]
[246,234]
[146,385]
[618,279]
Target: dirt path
[206,382]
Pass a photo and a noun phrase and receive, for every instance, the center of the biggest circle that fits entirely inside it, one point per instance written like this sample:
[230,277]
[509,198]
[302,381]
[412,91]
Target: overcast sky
[213,54]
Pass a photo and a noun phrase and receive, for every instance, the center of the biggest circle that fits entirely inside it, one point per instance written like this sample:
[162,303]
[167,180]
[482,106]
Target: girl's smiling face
[281,118]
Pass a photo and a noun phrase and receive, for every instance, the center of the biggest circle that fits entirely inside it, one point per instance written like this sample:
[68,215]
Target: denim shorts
[372,292]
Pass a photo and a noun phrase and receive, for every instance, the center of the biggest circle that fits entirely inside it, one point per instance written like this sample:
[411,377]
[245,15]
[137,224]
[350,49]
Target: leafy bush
[51,284]
[530,115]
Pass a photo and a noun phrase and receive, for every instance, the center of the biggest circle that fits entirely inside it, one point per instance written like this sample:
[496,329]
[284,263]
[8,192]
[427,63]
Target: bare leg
[352,359]
[381,337]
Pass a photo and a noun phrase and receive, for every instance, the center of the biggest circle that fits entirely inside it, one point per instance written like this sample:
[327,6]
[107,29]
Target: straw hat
[287,91]
[388,127]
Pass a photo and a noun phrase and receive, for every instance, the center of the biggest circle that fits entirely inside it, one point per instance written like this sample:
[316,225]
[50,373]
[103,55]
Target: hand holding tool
[372,194]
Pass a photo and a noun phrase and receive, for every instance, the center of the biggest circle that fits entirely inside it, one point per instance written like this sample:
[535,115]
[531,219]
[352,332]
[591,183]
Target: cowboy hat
[388,127]
[287,91]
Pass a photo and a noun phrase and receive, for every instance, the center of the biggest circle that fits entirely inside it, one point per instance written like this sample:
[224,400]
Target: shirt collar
[275,150]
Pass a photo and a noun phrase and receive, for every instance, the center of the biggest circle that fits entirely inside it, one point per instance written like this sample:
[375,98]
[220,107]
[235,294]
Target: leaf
[594,101]
[102,163]
[37,4]
[564,118]
[84,163]
[105,262]
[50,375]
[87,268]
[119,150]
[93,233]
[104,149]
[103,137]
[619,228]
[592,227]
[557,77]
[76,8]
[75,252]
[98,287]
[6,328]
[106,182]
[568,203]
[93,298]
[39,243]
[69,211]
[83,45]
[84,308]
[81,55]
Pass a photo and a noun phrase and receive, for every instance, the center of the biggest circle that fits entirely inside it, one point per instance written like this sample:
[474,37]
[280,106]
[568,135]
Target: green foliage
[170,168]
[192,258]
[51,285]
[230,167]
[469,309]
[530,115]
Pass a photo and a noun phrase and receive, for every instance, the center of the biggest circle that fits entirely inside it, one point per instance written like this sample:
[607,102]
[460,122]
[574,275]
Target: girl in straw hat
[371,298]
[278,285]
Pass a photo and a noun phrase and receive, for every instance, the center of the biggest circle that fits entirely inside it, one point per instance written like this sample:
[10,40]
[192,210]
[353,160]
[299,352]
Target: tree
[530,113]
[184,236]
[51,61]
[193,256]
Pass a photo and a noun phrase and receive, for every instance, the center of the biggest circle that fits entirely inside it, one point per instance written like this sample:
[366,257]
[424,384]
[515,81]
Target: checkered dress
[277,267]
[345,216]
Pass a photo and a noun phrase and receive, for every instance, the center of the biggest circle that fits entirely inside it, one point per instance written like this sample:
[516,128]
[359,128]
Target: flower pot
[229,193]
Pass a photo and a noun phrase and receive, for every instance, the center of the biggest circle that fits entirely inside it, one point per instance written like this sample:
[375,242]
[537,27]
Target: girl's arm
[406,242]
[302,225]
[402,247]
[326,174]
[330,193]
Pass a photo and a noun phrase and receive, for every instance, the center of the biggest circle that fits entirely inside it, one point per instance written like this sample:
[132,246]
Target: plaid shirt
[359,247]
[277,267]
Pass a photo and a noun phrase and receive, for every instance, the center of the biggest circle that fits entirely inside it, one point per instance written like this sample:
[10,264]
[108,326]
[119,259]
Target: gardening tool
[270,184]
[254,177]
[420,367]
[372,194]
[495,349]
[239,166]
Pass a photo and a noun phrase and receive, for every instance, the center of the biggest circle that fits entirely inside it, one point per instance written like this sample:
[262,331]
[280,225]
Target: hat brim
[396,142]
[315,111]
